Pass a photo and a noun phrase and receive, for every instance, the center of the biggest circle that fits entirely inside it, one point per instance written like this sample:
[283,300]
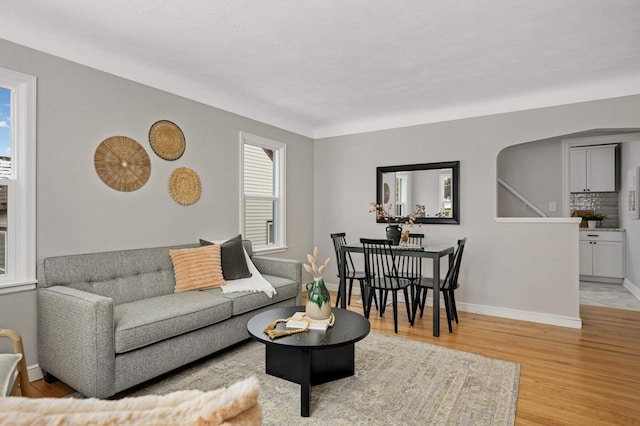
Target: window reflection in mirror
[428,192]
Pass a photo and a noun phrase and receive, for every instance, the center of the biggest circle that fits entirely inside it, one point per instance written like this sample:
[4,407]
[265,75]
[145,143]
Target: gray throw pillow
[234,264]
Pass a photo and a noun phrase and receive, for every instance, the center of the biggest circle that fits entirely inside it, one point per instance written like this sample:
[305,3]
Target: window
[17,181]
[262,183]
[444,197]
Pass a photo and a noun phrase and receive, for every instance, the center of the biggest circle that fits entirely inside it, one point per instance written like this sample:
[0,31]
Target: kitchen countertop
[602,229]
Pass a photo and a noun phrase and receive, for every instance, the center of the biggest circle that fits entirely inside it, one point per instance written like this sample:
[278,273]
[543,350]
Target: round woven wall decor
[122,163]
[184,186]
[167,140]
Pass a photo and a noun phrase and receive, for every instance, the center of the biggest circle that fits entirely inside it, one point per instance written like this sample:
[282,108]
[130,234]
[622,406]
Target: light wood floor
[568,377]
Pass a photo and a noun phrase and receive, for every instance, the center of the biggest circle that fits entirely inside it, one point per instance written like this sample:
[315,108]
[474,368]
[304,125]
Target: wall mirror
[429,191]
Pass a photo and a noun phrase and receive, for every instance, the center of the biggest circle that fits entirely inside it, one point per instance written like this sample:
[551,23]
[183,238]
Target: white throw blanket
[254,283]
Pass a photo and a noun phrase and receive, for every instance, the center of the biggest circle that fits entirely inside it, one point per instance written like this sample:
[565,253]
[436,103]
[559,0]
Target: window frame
[21,212]
[280,162]
[443,201]
[402,187]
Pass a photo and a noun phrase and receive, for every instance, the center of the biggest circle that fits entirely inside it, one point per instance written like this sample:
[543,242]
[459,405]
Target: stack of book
[296,321]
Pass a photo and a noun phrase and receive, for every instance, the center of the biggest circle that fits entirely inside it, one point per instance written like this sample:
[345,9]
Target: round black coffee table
[312,357]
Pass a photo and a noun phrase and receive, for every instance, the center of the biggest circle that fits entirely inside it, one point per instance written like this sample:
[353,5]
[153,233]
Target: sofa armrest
[76,339]
[286,268]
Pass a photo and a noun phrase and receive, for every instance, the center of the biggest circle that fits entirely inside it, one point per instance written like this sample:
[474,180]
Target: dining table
[429,251]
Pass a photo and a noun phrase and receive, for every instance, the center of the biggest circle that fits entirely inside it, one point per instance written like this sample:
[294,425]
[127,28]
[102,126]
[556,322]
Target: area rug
[397,382]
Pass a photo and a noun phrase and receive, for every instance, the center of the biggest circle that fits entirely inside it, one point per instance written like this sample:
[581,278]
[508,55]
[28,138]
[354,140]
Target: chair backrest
[379,263]
[339,240]
[410,267]
[416,239]
[451,280]
[22,380]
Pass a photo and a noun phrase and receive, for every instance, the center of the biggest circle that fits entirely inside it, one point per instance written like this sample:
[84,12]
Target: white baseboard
[334,287]
[495,311]
[634,289]
[35,373]
[607,280]
[542,318]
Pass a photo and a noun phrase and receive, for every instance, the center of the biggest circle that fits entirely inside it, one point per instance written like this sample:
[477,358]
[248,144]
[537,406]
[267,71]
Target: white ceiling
[331,67]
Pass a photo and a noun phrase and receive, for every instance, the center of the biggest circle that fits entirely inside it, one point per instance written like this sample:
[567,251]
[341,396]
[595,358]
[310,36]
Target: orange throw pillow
[197,268]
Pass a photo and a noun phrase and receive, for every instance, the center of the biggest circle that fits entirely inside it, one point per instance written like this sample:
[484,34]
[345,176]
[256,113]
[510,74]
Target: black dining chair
[383,278]
[350,272]
[410,267]
[447,287]
[414,239]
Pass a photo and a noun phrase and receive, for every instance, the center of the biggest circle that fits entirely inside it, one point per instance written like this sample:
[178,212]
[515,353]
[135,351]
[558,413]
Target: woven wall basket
[122,163]
[167,140]
[184,186]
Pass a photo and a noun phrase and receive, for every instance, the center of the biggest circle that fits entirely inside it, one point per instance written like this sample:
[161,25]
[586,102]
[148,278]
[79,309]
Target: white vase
[318,300]
[592,224]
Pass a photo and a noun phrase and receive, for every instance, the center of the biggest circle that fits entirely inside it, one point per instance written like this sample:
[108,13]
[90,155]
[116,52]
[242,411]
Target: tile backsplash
[605,203]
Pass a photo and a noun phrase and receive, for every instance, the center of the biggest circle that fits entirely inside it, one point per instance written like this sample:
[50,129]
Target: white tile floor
[608,295]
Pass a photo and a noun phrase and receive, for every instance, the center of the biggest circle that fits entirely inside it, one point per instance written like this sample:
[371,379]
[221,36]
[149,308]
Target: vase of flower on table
[318,305]
[394,223]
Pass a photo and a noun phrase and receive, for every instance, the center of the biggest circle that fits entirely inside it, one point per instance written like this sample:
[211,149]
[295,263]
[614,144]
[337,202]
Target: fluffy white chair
[234,405]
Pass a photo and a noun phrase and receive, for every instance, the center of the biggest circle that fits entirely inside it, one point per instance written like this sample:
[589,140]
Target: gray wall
[510,269]
[534,169]
[78,107]
[630,157]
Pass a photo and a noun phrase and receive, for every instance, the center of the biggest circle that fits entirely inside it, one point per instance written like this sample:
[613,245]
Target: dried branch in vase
[383,213]
[313,267]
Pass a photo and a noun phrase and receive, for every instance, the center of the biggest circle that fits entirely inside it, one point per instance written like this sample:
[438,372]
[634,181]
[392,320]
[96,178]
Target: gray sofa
[108,321]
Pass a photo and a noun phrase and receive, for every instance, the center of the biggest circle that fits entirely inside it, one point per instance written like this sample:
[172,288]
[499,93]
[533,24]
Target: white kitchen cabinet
[593,168]
[586,257]
[602,253]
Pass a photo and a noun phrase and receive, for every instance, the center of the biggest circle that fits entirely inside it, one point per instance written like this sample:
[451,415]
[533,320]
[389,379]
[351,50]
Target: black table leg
[305,383]
[436,297]
[300,366]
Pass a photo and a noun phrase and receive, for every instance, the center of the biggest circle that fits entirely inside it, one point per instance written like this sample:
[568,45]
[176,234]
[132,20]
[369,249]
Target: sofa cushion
[124,276]
[143,322]
[249,301]
[197,268]
[234,265]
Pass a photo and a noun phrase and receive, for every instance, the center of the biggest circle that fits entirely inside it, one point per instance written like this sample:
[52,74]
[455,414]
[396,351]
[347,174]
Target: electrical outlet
[553,206]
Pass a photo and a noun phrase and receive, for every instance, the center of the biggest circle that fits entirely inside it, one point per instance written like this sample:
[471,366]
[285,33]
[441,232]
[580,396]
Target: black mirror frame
[455,172]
